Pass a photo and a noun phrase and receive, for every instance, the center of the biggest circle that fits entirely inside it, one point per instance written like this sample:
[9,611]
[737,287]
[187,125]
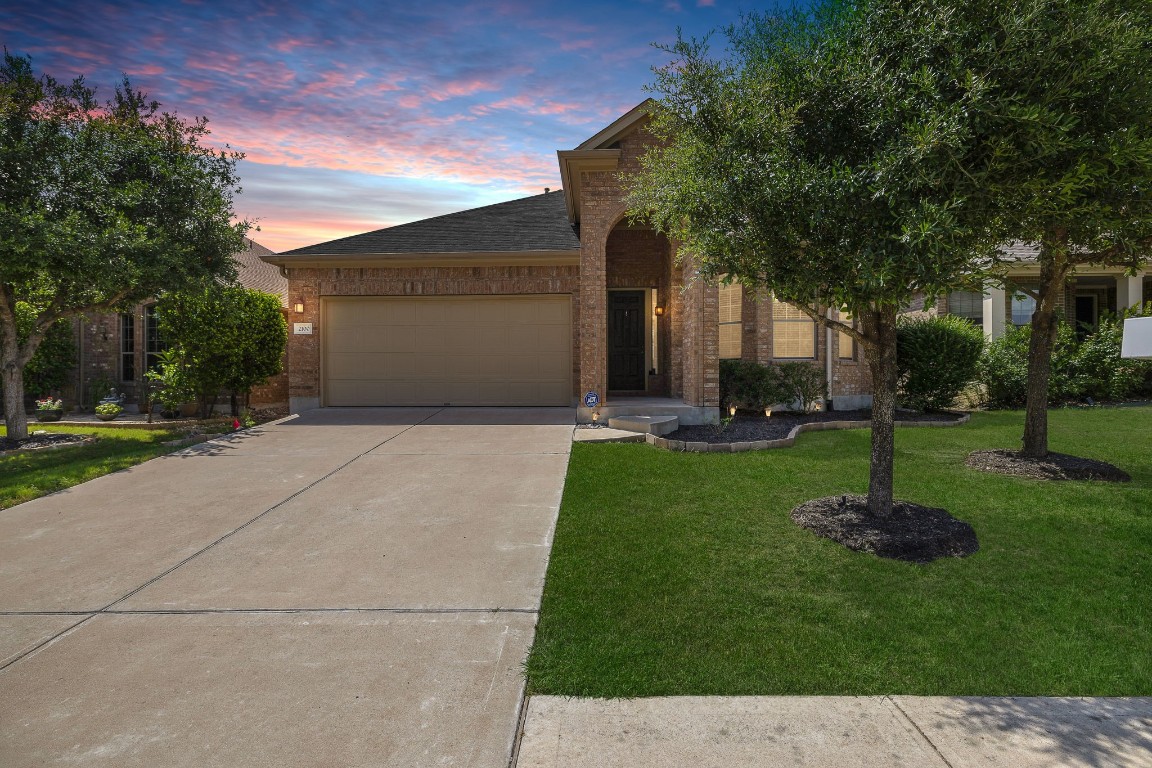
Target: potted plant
[108,411]
[48,409]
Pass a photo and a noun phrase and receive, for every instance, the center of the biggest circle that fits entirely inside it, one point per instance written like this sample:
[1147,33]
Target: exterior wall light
[659,311]
[298,307]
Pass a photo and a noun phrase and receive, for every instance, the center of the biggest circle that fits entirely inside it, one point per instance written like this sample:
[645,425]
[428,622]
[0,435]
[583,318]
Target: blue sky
[357,115]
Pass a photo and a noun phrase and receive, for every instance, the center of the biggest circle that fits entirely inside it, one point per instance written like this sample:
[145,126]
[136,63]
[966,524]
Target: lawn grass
[682,574]
[27,475]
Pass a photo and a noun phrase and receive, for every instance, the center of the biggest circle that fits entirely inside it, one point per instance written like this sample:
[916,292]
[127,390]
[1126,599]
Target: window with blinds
[793,333]
[845,343]
[731,316]
[967,304]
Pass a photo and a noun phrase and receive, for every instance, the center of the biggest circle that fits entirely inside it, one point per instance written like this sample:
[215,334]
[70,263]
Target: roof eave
[572,163]
[622,125]
[448,259]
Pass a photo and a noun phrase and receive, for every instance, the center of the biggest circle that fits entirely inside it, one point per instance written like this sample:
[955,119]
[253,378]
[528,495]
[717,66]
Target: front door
[1085,314]
[626,340]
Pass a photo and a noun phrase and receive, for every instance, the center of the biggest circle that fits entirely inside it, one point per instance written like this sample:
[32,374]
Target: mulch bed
[1054,466]
[47,440]
[912,533]
[748,427]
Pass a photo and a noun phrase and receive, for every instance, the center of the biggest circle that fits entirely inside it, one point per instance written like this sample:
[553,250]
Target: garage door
[448,350]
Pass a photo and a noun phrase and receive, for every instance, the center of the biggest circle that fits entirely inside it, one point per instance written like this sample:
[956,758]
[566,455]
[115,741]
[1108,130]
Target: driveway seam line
[181,611]
[89,615]
[52,639]
[920,731]
[274,507]
[210,611]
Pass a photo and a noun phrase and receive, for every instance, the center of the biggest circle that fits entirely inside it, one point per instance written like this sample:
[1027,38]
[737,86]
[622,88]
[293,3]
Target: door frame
[649,304]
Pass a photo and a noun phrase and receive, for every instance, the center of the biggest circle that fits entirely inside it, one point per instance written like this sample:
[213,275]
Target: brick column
[304,351]
[701,332]
[593,316]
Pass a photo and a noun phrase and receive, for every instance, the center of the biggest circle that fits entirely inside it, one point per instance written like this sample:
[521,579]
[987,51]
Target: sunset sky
[360,115]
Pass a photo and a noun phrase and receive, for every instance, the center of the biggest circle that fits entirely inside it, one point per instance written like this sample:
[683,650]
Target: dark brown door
[626,340]
[1085,315]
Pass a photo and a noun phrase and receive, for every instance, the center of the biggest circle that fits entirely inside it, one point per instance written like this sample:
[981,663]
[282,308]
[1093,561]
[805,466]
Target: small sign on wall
[302,329]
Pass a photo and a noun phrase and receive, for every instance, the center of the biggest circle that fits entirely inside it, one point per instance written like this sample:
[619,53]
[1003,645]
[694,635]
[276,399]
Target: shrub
[1003,369]
[747,384]
[1091,368]
[937,357]
[1100,372]
[803,383]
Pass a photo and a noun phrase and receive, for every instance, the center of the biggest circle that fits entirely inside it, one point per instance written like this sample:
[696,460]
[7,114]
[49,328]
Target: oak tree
[102,204]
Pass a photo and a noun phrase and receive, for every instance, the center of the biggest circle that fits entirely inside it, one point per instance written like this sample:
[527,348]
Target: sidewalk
[836,732]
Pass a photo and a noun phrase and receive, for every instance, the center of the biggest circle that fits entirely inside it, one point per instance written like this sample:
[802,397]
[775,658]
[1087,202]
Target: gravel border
[787,442]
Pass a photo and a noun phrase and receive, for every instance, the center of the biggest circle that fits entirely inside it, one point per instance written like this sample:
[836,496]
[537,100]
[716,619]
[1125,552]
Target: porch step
[653,425]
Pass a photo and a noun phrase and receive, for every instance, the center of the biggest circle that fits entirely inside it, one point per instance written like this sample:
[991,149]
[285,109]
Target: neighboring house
[537,301]
[1089,294]
[115,349]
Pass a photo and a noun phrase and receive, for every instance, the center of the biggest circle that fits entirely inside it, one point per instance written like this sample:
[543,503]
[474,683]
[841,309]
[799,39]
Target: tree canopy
[817,159]
[1064,158]
[102,204]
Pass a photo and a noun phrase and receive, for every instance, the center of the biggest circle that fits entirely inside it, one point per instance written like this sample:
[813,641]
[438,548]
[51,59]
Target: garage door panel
[463,367]
[554,337]
[555,314]
[554,368]
[498,350]
[430,367]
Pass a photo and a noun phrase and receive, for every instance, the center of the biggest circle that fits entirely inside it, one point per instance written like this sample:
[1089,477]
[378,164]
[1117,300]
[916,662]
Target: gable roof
[626,123]
[253,272]
[530,224]
[599,153]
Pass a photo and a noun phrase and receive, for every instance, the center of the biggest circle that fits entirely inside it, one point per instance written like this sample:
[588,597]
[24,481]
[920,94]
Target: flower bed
[780,431]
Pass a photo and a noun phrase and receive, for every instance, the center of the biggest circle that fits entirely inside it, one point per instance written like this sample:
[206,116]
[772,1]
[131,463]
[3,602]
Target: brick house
[538,301]
[115,349]
[1089,294]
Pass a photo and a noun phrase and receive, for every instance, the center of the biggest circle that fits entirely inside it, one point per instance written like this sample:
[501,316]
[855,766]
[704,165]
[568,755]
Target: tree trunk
[12,380]
[879,327]
[1054,269]
[233,404]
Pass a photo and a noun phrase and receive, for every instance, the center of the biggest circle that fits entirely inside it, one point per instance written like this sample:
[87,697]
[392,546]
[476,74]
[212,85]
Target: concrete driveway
[351,587]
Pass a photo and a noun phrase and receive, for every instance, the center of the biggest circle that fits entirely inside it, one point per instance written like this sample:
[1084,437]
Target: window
[846,344]
[967,304]
[153,345]
[793,333]
[127,347]
[1023,306]
[731,316]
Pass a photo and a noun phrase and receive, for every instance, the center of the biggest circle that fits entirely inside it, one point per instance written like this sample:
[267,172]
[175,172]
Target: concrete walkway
[353,587]
[836,732]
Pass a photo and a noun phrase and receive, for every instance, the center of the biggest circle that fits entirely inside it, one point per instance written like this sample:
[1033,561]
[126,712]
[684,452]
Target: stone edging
[786,442]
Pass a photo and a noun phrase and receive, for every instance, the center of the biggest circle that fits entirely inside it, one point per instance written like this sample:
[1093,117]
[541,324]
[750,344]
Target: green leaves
[227,337]
[102,205]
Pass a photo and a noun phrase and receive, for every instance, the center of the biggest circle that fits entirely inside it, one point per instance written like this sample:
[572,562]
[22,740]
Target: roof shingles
[537,223]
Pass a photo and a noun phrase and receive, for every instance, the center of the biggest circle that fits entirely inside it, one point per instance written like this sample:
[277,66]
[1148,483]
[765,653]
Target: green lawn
[30,474]
[682,574]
